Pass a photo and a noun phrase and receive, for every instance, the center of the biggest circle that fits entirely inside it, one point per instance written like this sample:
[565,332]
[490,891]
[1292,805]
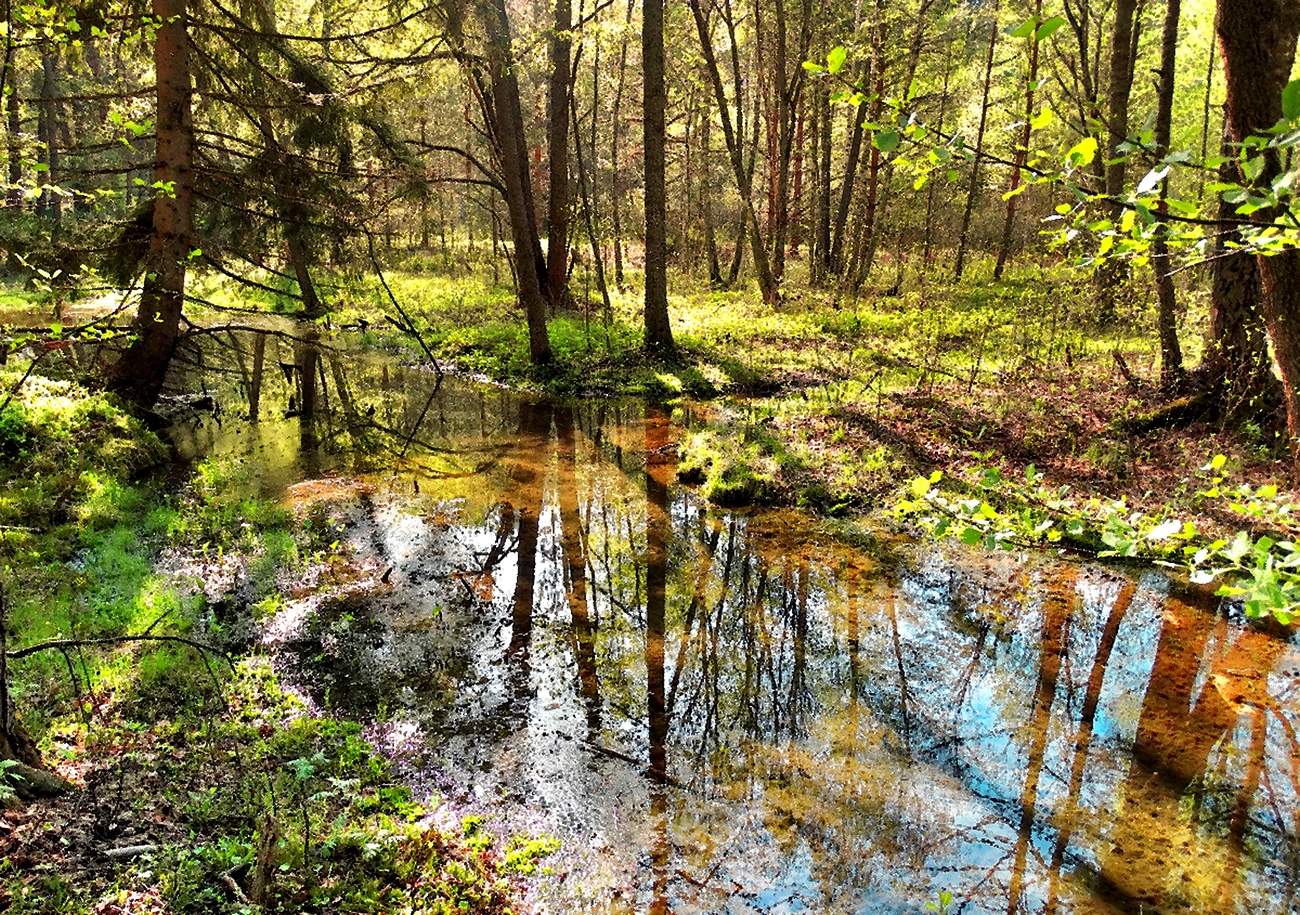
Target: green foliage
[16,431]
[942,905]
[1261,571]
[7,778]
[734,467]
[523,853]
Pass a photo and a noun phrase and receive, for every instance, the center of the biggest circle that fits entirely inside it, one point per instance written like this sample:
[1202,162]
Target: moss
[731,469]
[523,853]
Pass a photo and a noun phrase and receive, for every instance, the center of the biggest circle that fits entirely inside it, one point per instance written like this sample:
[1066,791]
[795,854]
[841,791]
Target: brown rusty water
[728,712]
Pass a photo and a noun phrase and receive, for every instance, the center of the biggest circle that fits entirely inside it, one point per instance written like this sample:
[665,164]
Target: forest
[649,456]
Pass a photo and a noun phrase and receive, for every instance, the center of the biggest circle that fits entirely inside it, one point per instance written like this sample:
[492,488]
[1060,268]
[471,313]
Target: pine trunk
[140,373]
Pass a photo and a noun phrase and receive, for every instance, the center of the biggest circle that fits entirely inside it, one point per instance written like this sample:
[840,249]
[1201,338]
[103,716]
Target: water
[730,712]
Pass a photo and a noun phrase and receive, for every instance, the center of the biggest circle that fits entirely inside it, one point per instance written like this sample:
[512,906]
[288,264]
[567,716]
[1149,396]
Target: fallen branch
[228,878]
[1176,414]
[1134,382]
[30,783]
[196,330]
[64,644]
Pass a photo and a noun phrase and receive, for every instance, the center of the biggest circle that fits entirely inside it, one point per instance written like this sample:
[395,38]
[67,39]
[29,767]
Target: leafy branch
[1262,571]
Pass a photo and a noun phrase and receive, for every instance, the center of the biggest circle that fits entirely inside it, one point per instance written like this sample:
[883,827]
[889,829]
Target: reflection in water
[722,712]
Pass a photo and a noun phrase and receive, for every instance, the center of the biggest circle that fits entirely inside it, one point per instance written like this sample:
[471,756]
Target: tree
[507,125]
[973,188]
[140,372]
[557,142]
[1258,44]
[1237,368]
[1171,355]
[1020,155]
[744,176]
[658,329]
[1117,105]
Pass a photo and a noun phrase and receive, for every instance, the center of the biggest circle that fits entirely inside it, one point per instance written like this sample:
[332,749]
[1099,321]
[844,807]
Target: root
[1176,414]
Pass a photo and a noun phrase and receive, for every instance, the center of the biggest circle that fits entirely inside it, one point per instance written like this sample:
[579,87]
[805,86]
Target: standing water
[737,712]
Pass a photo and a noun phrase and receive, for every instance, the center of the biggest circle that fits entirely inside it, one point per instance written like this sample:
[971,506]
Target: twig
[407,326]
[21,381]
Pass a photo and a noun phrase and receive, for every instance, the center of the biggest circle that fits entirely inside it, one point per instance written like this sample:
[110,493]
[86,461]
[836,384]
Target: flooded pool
[730,712]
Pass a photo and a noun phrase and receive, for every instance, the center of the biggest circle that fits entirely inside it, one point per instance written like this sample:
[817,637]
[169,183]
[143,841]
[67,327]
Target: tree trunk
[835,260]
[927,242]
[1112,271]
[796,223]
[973,188]
[737,251]
[706,204]
[140,372]
[789,90]
[557,138]
[589,218]
[658,330]
[51,201]
[1210,59]
[1258,43]
[509,136]
[858,273]
[1014,188]
[823,140]
[1171,355]
[744,178]
[615,147]
[1237,365]
[13,122]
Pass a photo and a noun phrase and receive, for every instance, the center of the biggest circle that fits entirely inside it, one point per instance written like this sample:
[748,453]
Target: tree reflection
[525,476]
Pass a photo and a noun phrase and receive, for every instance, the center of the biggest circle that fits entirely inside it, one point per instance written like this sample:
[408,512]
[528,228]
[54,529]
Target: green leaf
[835,59]
[1291,100]
[887,140]
[1083,153]
[1048,28]
[1043,119]
[1024,30]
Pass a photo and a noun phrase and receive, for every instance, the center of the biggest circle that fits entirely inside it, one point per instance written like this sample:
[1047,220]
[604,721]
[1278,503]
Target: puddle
[726,712]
